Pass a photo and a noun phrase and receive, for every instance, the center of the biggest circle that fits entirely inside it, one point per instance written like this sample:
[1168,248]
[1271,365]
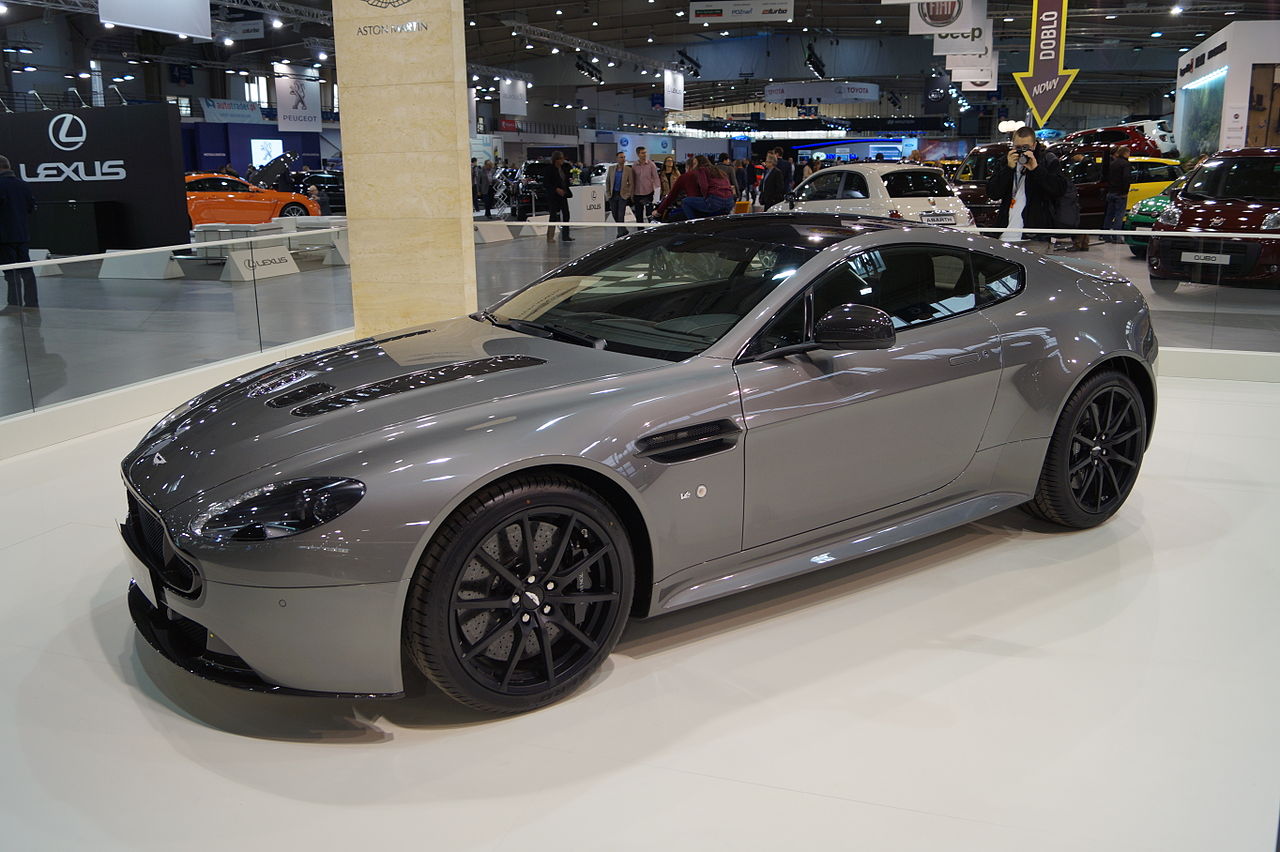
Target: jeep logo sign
[121,166]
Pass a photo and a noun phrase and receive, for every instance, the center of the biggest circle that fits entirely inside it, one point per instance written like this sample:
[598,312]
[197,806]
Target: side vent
[300,395]
[689,442]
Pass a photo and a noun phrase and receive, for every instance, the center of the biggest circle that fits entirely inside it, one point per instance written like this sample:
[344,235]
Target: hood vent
[415,381]
[300,395]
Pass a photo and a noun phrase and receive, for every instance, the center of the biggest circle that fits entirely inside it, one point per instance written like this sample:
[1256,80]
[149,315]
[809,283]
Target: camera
[1022,149]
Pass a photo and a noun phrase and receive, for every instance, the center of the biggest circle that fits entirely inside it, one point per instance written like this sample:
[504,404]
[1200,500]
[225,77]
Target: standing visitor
[667,177]
[475,185]
[729,172]
[16,205]
[1119,176]
[1029,184]
[646,183]
[619,182]
[559,190]
[321,199]
[785,169]
[771,191]
[485,187]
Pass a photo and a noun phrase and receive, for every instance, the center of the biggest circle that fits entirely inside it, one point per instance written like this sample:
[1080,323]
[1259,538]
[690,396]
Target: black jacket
[16,204]
[1046,186]
[1119,175]
[771,188]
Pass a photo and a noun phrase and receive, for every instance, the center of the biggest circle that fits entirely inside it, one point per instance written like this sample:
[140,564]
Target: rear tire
[1094,455]
[521,595]
[293,209]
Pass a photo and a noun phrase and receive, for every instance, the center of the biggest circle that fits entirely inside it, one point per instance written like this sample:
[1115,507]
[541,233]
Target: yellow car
[1149,176]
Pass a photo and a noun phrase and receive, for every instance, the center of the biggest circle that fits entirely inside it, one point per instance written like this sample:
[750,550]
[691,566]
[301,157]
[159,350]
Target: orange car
[221,198]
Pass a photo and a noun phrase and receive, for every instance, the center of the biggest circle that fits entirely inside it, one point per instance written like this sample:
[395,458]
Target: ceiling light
[4,10]
[1228,13]
[243,73]
[128,76]
[231,71]
[315,64]
[1111,17]
[323,56]
[595,59]
[724,32]
[1183,49]
[554,51]
[650,37]
[26,50]
[182,36]
[28,68]
[1176,10]
[595,23]
[1157,34]
[228,41]
[680,14]
[584,106]
[475,77]
[284,62]
[84,75]
[514,33]
[1200,35]
[610,63]
[1008,20]
[528,46]
[108,25]
[879,22]
[471,23]
[507,81]
[559,11]
[276,24]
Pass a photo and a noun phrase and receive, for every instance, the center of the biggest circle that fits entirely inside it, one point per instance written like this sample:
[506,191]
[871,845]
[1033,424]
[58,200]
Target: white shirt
[1014,231]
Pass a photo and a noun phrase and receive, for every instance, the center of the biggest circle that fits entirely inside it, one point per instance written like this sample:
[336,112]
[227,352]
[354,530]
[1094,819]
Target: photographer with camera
[1030,184]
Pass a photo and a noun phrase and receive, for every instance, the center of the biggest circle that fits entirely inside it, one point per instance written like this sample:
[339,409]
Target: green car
[1142,216]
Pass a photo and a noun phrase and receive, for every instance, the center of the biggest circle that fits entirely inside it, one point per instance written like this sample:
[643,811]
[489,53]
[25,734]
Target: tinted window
[669,296]
[1245,178]
[912,284]
[855,186]
[995,278]
[217,185]
[979,165]
[1083,168]
[820,187]
[921,184]
[1139,172]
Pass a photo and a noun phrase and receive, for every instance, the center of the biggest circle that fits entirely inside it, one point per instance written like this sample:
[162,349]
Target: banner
[977,73]
[657,146]
[974,40]
[179,17]
[672,90]
[126,160]
[513,97]
[1045,82]
[946,16]
[968,60]
[226,111]
[242,30]
[730,11]
[982,86]
[821,91]
[297,99]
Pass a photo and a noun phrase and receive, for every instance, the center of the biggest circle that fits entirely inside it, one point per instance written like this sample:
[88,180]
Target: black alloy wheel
[522,595]
[1094,455]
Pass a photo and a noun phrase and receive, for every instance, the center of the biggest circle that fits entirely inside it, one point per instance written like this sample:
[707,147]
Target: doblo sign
[125,158]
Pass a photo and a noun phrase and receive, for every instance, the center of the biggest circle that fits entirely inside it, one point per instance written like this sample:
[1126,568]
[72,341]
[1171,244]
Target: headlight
[278,510]
[1169,216]
[1272,222]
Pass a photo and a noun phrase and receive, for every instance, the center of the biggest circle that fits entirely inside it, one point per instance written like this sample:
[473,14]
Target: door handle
[961,360]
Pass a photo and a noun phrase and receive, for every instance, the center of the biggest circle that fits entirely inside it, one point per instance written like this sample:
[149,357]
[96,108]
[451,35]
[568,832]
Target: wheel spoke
[530,557]
[547,657]
[498,568]
[488,639]
[1115,481]
[1111,404]
[1082,438]
[1119,457]
[1114,424]
[576,570]
[1083,490]
[514,660]
[1080,465]
[1120,439]
[563,545]
[1101,481]
[590,597]
[482,603]
[572,629]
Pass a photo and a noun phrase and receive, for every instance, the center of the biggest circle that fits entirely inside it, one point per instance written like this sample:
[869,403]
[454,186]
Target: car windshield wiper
[546,329]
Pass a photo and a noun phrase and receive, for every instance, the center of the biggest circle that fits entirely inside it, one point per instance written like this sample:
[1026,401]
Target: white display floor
[1001,687]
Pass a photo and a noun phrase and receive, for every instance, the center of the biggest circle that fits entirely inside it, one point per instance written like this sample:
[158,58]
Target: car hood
[1235,215]
[311,402]
[1150,206]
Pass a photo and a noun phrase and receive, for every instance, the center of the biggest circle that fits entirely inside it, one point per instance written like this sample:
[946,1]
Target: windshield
[921,184]
[1174,188]
[979,165]
[1244,178]
[664,296]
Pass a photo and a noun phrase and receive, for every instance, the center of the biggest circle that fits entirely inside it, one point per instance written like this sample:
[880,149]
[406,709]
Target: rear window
[1101,137]
[921,184]
[979,165]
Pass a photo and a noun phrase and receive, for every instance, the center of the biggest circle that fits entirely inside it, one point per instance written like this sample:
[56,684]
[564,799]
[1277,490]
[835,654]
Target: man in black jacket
[1119,175]
[16,204]
[1029,183]
[771,186]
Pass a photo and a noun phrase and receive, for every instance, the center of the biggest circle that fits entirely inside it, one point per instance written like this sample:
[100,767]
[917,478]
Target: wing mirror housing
[854,327]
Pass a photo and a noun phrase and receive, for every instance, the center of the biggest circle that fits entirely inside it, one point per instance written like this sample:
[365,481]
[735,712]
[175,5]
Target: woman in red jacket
[706,192]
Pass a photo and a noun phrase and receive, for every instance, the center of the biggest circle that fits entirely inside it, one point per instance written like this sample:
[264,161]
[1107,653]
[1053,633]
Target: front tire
[521,595]
[1094,455]
[293,209]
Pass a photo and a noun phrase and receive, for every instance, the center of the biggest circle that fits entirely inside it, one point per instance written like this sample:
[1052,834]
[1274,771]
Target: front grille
[176,573]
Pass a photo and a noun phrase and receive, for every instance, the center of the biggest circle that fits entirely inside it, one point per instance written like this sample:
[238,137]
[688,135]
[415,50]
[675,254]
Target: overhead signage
[297,99]
[513,97]
[179,17]
[657,147]
[1196,61]
[821,91]
[242,30]
[672,90]
[946,16]
[1045,82]
[973,40]
[740,10]
[977,73]
[391,29]
[127,160]
[968,60]
[980,85]
[225,111]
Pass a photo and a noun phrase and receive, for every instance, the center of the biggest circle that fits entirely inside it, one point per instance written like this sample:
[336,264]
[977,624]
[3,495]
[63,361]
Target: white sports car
[896,190]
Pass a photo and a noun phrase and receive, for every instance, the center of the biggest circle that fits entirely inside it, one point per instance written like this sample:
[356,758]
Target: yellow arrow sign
[1045,81]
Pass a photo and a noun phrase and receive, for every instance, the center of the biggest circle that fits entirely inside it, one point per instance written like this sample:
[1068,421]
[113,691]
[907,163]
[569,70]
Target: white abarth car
[896,190]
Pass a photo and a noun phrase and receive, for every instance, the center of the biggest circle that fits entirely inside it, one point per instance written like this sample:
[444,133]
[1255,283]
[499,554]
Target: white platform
[1001,687]
[148,266]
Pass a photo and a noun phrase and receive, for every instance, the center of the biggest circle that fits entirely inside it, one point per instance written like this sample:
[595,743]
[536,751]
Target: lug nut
[515,599]
[531,579]
[551,587]
[524,619]
[546,610]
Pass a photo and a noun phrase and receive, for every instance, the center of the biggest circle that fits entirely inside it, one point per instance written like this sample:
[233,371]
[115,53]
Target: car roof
[1247,152]
[880,166]
[1166,161]
[800,229]
[195,175]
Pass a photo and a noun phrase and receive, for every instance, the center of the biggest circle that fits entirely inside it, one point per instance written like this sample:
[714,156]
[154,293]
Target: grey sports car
[679,415]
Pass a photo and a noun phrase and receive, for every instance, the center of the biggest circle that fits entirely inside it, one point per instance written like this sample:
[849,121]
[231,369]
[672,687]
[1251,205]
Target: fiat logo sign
[941,13]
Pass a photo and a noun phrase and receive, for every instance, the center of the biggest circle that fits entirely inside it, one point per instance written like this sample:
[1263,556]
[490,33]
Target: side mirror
[854,327]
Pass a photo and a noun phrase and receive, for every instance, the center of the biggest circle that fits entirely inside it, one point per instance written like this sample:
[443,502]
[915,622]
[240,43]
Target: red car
[1234,191]
[1109,137]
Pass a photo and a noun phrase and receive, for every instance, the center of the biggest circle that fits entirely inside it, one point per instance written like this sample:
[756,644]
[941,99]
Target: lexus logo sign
[941,13]
[67,132]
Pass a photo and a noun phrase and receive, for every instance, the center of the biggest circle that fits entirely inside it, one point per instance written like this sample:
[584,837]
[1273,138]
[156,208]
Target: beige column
[402,71]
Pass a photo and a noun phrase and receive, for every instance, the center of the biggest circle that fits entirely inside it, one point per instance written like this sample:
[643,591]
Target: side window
[914,284]
[203,185]
[995,278]
[1139,173]
[855,186]
[820,187]
[786,329]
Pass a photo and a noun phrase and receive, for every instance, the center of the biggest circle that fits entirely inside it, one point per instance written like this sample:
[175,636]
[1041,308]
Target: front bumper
[327,640]
[1248,260]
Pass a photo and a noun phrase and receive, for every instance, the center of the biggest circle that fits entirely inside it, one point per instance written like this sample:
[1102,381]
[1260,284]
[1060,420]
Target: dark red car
[1109,137]
[1234,191]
